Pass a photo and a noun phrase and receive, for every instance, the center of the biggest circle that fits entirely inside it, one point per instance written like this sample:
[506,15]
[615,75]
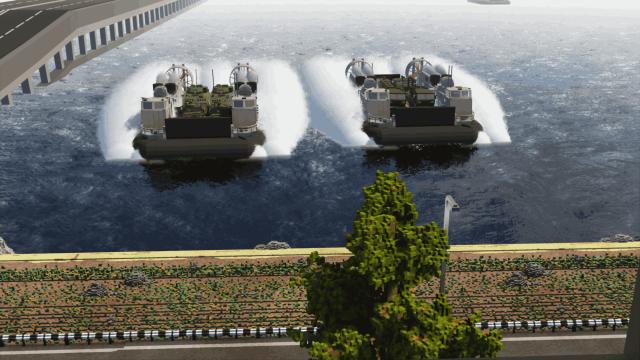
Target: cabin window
[455,94]
[237,103]
[147,105]
[372,96]
[423,97]
[158,105]
[465,94]
[382,96]
[249,103]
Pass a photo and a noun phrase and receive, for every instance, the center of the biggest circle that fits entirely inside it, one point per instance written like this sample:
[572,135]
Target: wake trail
[120,115]
[284,115]
[338,110]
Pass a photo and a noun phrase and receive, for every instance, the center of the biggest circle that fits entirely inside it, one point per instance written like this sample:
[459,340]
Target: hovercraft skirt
[199,148]
[423,135]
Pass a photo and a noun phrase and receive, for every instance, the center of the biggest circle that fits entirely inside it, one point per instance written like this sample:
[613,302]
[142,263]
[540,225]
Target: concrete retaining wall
[340,251]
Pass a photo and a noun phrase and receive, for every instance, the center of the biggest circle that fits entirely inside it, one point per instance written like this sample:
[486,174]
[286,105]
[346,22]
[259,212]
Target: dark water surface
[570,87]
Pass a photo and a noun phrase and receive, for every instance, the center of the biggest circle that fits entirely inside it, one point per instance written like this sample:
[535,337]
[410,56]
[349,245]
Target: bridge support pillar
[127,25]
[82,45]
[103,36]
[57,60]
[112,32]
[68,49]
[45,77]
[27,86]
[92,40]
[6,100]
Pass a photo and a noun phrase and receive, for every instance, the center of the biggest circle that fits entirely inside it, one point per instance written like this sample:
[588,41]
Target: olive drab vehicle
[423,107]
[184,120]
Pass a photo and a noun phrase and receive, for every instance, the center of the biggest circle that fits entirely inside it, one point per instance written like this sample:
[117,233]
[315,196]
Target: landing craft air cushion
[184,121]
[423,107]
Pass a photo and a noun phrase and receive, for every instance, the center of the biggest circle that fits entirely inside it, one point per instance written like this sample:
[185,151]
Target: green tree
[365,307]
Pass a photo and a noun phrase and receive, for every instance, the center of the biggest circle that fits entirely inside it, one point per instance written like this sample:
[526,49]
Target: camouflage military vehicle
[423,107]
[184,121]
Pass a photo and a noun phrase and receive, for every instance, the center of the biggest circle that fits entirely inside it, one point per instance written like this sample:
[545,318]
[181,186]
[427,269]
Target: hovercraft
[184,120]
[423,107]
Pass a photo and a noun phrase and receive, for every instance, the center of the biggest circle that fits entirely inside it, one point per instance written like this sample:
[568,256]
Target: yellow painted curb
[253,254]
[160,255]
[525,248]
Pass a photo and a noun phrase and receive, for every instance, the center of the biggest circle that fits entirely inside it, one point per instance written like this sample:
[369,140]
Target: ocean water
[556,87]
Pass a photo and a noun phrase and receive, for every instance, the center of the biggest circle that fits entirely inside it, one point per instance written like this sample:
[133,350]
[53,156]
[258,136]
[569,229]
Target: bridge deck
[32,32]
[18,26]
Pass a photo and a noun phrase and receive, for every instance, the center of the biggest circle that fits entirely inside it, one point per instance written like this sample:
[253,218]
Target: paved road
[565,343]
[22,19]
[606,345]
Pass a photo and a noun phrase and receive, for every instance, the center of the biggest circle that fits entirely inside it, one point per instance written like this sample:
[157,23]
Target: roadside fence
[152,335]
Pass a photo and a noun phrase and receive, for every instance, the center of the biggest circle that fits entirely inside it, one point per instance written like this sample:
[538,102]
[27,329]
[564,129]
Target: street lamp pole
[449,204]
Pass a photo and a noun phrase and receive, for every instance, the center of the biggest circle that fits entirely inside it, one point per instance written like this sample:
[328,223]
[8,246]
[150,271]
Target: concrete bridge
[51,37]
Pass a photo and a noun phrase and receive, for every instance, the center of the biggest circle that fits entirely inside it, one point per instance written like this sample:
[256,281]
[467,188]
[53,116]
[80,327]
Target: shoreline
[298,252]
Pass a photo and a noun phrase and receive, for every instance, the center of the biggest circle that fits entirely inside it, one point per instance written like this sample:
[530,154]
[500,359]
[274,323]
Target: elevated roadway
[51,37]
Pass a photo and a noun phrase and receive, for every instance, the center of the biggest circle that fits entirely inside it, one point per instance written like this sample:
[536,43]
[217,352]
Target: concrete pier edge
[335,251]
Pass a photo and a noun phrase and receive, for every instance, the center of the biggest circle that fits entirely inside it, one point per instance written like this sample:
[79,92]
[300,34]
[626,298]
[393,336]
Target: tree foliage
[365,307]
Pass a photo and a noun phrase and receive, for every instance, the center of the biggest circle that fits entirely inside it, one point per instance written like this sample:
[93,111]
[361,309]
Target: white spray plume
[486,106]
[336,97]
[284,115]
[483,138]
[381,65]
[258,153]
[118,125]
[221,70]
